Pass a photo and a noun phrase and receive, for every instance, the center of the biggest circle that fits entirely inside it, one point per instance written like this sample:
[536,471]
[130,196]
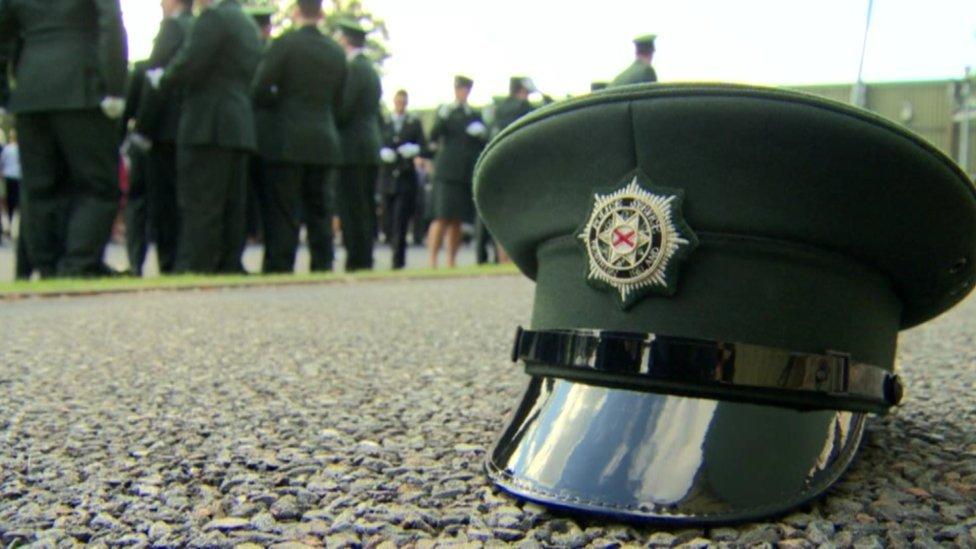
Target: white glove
[140,141]
[476,129]
[113,107]
[409,150]
[444,111]
[3,112]
[388,155]
[154,76]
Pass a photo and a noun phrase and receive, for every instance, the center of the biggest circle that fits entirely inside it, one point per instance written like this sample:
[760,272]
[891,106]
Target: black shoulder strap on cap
[708,369]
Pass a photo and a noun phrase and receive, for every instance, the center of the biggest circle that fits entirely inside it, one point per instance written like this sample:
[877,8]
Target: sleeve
[268,74]
[199,53]
[112,54]
[352,93]
[421,139]
[167,43]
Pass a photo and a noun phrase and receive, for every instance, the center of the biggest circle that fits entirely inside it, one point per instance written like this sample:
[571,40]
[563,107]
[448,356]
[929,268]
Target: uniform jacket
[508,111]
[71,53]
[215,69]
[158,116]
[637,73]
[299,84]
[402,170]
[359,117]
[134,90]
[456,150]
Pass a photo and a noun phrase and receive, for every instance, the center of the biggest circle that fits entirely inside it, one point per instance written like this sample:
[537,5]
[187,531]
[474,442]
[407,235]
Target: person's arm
[167,43]
[268,75]
[352,93]
[195,59]
[112,55]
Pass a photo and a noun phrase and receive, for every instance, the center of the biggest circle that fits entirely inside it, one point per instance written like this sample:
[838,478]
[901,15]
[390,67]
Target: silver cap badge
[634,240]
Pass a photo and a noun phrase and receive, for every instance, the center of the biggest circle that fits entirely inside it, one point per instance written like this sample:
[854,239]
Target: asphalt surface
[359,413]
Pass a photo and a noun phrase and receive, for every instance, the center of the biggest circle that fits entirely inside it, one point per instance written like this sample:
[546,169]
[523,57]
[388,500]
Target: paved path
[359,413]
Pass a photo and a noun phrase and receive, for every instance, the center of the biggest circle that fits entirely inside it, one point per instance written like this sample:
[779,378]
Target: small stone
[286,508]
[918,492]
[661,539]
[696,543]
[794,544]
[263,522]
[868,542]
[759,534]
[819,531]
[159,530]
[508,534]
[227,524]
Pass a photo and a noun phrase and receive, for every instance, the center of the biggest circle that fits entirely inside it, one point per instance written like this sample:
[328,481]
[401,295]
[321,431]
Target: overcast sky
[564,46]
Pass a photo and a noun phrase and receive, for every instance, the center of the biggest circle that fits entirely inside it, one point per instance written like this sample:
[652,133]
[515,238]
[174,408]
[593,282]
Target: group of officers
[219,108]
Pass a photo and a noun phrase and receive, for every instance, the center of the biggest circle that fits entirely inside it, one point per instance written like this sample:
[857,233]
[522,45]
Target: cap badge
[635,239]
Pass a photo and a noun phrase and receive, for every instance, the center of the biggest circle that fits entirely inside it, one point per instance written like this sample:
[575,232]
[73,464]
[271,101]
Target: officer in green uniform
[403,144]
[513,107]
[214,70]
[359,131]
[716,313]
[136,149]
[459,134]
[299,83]
[640,71]
[70,74]
[255,201]
[158,120]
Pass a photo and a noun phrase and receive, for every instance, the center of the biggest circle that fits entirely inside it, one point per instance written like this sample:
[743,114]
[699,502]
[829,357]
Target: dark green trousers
[163,210]
[211,183]
[484,244]
[291,194]
[136,210]
[356,201]
[70,197]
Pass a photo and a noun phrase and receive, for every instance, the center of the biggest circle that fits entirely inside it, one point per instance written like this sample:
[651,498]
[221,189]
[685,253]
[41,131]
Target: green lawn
[10,290]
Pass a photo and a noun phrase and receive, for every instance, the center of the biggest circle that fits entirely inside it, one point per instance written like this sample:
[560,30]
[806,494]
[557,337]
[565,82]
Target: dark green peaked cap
[645,40]
[721,275]
[351,27]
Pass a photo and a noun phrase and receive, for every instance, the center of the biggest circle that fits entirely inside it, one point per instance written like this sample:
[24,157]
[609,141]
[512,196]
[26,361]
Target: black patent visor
[708,369]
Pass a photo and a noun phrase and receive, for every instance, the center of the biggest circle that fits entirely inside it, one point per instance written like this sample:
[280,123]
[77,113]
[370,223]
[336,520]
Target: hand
[388,155]
[409,150]
[476,129]
[153,76]
[113,107]
[3,112]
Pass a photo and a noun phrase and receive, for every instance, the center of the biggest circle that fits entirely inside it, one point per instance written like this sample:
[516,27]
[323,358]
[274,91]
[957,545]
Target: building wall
[926,108]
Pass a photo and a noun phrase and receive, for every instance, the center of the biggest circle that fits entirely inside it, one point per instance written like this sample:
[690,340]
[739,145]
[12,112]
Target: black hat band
[709,369]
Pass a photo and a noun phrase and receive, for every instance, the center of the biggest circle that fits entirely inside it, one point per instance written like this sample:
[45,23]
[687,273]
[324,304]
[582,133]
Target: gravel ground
[360,413]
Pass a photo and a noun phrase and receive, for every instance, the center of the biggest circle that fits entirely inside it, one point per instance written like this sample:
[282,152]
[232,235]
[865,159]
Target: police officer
[158,120]
[640,71]
[359,131]
[459,134]
[136,149]
[404,142]
[513,107]
[70,74]
[255,201]
[214,69]
[299,83]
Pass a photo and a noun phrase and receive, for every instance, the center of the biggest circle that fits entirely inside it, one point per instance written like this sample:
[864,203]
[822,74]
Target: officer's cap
[516,83]
[721,275]
[645,40]
[461,81]
[351,27]
[261,14]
